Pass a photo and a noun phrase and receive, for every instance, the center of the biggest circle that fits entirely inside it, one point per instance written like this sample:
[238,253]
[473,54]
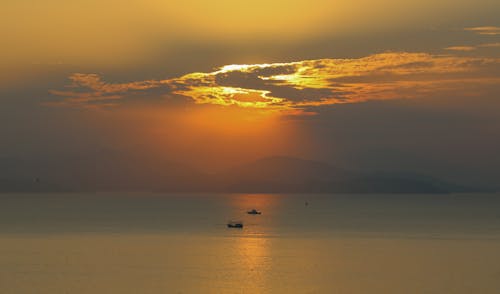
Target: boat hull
[236,226]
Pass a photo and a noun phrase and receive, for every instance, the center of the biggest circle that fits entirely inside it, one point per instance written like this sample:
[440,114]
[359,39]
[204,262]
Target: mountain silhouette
[111,171]
[293,175]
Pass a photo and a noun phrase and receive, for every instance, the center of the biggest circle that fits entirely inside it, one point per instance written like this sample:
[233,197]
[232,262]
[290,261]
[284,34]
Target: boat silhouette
[235,224]
[254,211]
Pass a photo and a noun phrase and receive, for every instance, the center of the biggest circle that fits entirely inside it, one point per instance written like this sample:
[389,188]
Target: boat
[235,224]
[254,211]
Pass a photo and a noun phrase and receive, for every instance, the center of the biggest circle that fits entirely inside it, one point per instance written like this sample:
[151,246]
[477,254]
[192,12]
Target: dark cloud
[300,84]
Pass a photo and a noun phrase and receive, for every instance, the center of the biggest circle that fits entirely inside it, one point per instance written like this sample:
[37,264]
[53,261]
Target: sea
[301,243]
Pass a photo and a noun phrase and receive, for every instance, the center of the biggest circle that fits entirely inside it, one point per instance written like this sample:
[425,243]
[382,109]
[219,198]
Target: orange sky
[214,83]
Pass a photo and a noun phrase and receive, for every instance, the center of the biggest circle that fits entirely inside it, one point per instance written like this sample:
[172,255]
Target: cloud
[461,48]
[490,45]
[89,91]
[472,48]
[302,85]
[485,30]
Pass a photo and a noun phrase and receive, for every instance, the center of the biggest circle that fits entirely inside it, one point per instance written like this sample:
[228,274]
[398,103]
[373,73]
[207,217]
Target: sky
[365,85]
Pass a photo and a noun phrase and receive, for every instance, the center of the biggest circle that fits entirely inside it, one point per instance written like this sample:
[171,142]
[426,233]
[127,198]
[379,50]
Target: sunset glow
[265,146]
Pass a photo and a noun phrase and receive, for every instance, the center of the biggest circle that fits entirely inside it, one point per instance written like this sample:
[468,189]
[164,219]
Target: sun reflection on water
[255,225]
[250,258]
[253,261]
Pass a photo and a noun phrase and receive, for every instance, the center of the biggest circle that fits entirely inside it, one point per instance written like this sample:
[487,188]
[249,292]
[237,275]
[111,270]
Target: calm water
[152,243]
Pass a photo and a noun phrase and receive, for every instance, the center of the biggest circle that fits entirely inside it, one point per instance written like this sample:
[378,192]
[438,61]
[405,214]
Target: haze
[386,86]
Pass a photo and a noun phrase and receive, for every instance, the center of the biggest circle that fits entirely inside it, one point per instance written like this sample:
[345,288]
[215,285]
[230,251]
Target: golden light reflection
[253,245]
[268,202]
[256,225]
[254,258]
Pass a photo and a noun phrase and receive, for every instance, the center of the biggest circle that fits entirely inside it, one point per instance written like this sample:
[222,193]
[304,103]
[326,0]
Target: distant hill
[286,174]
[111,171]
[277,174]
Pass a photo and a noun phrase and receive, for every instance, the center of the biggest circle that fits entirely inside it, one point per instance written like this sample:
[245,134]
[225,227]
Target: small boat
[254,211]
[235,224]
